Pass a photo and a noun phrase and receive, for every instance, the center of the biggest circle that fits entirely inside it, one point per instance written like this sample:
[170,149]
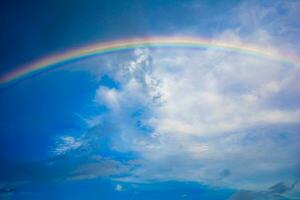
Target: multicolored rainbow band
[149,42]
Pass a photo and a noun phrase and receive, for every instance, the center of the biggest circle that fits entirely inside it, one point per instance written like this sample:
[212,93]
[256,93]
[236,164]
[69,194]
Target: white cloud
[103,167]
[201,112]
[67,143]
[119,188]
[209,111]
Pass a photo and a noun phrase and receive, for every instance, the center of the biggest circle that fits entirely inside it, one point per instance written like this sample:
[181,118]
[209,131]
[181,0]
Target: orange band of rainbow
[150,42]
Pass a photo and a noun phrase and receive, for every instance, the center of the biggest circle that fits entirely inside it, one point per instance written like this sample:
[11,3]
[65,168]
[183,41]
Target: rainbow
[47,63]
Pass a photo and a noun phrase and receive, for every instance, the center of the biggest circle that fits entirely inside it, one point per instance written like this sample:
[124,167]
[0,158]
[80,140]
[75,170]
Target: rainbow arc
[47,63]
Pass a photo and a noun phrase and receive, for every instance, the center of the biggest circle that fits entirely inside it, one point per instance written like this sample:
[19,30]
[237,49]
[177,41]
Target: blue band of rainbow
[149,42]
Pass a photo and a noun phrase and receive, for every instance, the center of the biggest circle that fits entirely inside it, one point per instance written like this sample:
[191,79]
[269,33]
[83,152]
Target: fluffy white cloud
[209,112]
[216,117]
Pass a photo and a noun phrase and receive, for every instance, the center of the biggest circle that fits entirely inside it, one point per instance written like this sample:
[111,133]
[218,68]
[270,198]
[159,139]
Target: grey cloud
[277,191]
[224,173]
[281,188]
[249,195]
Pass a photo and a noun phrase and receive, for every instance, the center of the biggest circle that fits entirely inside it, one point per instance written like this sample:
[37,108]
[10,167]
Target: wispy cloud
[277,191]
[119,188]
[66,144]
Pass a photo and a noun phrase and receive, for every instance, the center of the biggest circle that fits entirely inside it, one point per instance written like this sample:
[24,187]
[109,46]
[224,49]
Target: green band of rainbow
[150,42]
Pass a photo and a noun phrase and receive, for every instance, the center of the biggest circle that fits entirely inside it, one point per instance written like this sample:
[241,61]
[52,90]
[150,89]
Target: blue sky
[151,123]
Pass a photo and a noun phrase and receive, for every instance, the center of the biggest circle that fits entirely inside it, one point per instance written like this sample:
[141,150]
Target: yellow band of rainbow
[149,42]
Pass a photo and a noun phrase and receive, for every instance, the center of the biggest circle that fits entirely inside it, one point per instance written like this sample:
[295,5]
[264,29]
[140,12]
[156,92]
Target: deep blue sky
[33,29]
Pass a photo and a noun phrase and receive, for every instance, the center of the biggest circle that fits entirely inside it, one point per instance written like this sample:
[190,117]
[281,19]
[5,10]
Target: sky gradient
[145,122]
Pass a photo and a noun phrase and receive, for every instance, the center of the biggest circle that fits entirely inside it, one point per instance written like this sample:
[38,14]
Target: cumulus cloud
[215,117]
[206,117]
